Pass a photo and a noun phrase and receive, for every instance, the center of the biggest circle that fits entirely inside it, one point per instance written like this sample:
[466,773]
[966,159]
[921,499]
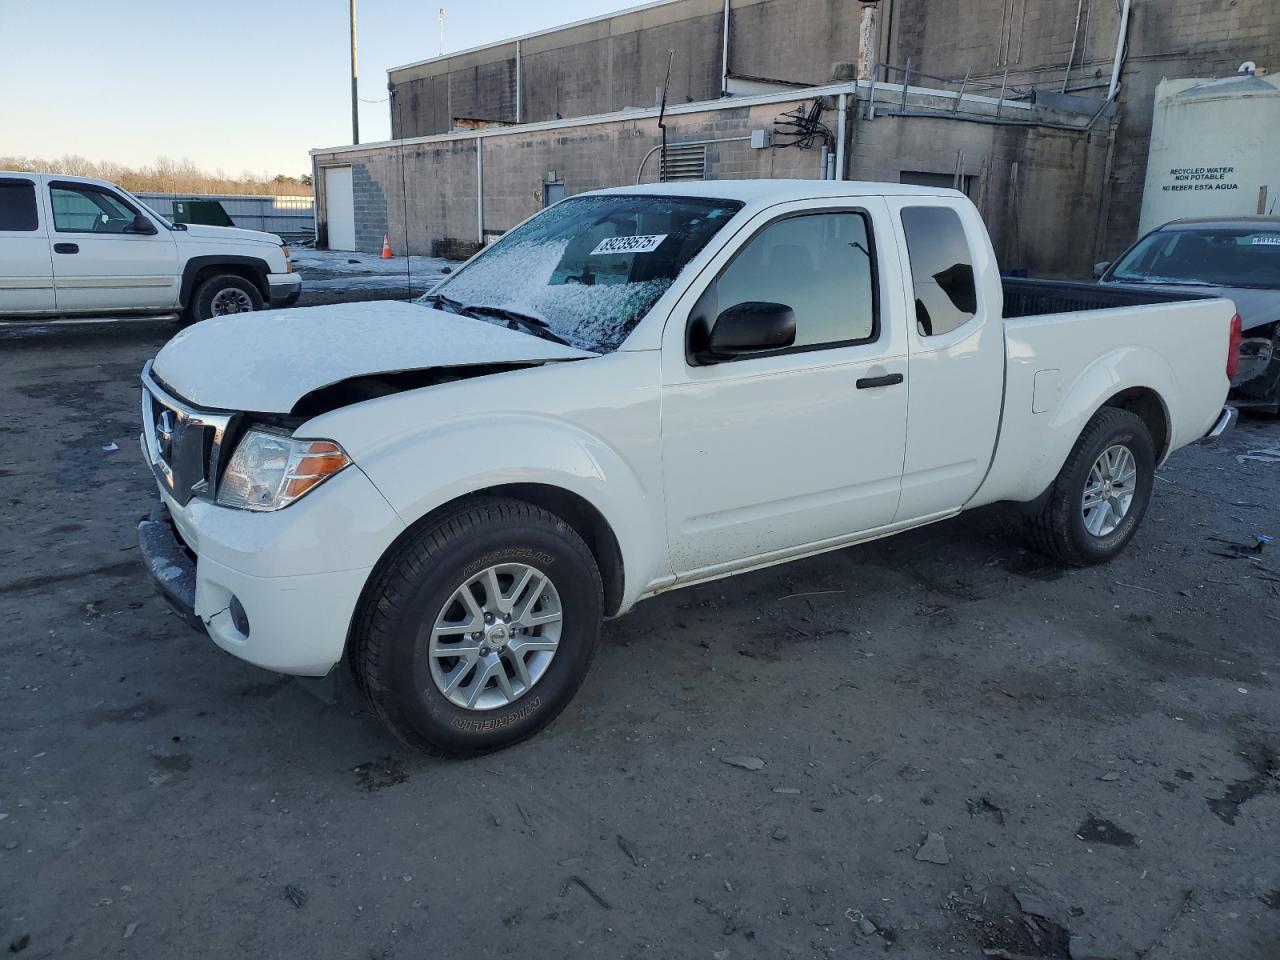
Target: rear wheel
[481,628]
[224,295]
[1101,494]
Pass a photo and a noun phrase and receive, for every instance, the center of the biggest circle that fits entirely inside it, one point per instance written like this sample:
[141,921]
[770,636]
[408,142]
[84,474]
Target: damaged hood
[266,362]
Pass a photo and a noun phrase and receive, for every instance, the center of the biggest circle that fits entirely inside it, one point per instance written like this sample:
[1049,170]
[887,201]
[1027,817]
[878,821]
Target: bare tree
[166,175]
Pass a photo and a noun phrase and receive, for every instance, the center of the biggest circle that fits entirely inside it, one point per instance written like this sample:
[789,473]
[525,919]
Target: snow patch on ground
[340,261]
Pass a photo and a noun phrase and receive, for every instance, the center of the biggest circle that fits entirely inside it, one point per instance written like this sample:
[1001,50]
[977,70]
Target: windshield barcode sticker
[1266,241]
[640,244]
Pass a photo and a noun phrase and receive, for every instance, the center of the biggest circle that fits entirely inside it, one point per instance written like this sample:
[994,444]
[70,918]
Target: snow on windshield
[590,268]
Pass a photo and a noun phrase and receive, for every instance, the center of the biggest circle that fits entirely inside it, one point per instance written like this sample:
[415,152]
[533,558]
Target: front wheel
[480,629]
[1101,494]
[224,295]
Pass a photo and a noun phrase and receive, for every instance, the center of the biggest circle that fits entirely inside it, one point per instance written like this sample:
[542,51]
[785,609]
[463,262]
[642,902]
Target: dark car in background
[1239,258]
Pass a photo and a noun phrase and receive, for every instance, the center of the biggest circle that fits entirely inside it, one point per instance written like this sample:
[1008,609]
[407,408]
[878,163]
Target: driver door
[96,264]
[794,449]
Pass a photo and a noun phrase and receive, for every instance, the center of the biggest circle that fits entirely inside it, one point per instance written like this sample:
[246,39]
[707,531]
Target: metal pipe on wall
[1122,35]
[724,53]
[1075,39]
[480,190]
[843,105]
[355,97]
[518,110]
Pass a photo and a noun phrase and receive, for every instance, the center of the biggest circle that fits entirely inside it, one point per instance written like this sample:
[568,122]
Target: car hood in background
[201,231]
[266,362]
[1256,307]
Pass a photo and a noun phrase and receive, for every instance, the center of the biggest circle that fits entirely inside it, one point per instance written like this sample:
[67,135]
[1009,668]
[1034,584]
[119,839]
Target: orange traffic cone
[386,248]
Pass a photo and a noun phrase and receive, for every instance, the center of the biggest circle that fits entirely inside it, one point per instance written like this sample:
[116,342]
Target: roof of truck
[749,191]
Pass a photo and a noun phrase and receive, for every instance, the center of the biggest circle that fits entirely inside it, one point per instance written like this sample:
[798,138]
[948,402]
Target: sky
[233,85]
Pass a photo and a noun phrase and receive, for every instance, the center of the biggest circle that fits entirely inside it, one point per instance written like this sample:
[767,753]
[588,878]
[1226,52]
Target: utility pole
[355,99]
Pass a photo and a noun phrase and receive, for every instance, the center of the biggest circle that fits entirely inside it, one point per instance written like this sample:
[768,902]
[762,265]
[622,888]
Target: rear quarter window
[946,295]
[18,205]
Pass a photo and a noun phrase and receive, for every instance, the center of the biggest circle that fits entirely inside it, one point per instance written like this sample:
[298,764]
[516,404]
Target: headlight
[288,264]
[270,470]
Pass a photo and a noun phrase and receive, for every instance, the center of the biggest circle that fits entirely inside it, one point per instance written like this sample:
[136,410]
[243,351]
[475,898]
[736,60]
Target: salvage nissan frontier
[635,390]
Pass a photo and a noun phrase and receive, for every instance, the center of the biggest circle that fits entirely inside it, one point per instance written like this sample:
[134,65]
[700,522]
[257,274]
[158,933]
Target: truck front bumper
[171,565]
[263,586]
[284,289]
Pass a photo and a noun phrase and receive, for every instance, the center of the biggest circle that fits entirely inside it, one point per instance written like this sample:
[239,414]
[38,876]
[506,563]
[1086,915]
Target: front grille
[183,444]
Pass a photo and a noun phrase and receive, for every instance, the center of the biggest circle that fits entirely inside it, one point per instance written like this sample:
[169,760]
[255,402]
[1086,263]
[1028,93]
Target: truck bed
[1068,345]
[1033,298]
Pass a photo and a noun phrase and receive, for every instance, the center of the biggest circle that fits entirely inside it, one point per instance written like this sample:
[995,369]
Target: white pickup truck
[633,391]
[72,245]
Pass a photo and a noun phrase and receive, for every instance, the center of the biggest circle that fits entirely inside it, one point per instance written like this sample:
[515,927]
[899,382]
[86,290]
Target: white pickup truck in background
[636,390]
[72,245]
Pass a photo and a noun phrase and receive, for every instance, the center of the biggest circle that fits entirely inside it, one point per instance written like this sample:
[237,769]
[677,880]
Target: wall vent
[684,163]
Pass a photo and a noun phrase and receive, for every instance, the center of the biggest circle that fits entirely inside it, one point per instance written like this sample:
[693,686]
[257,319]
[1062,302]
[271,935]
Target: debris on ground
[985,805]
[380,774]
[933,850]
[1265,455]
[296,895]
[20,944]
[1110,776]
[130,929]
[746,763]
[111,447]
[626,847]
[575,880]
[1097,830]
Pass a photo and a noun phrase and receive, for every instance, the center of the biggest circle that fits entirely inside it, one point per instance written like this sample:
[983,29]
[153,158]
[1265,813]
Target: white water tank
[1215,149]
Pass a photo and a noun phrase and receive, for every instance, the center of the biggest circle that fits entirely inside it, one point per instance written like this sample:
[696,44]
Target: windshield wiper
[448,303]
[535,325]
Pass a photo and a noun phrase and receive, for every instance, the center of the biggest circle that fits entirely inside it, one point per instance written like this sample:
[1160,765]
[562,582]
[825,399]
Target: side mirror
[1100,268]
[749,328]
[140,225]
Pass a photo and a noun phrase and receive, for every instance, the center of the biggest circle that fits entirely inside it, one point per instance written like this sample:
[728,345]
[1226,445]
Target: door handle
[66,248]
[888,380]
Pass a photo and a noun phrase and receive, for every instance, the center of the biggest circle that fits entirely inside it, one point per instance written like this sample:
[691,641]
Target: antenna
[440,17]
[662,113]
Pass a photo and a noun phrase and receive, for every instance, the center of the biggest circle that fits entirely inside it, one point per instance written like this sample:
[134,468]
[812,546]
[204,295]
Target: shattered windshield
[1240,257]
[586,270]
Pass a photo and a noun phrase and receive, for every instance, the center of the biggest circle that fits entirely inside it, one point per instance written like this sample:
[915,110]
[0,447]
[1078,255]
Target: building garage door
[339,208]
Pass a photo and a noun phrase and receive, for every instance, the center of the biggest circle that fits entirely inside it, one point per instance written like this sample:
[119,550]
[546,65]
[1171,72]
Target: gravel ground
[936,745]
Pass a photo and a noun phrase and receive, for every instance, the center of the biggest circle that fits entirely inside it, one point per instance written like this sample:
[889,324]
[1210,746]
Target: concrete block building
[1039,109]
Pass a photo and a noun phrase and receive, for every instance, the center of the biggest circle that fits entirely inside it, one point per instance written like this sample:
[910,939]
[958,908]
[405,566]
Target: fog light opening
[239,619]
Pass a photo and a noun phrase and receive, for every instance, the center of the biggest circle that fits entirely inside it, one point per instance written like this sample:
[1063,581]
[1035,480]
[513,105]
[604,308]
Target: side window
[83,209]
[941,269]
[18,205]
[819,265]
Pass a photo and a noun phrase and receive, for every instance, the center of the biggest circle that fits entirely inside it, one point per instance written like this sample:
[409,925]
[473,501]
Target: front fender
[429,447]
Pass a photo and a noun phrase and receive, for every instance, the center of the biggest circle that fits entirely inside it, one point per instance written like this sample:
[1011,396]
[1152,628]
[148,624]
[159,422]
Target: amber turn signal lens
[320,460]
